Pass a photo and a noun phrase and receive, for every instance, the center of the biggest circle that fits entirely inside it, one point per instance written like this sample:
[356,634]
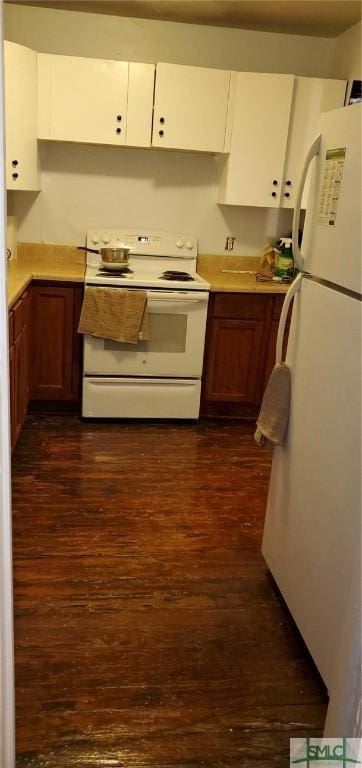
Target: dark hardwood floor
[148,632]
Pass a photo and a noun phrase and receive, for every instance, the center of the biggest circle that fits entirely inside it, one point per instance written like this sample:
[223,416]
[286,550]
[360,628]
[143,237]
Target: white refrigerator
[312,535]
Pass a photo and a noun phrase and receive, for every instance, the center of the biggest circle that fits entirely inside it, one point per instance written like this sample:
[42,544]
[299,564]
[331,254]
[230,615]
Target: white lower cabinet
[191,106]
[95,101]
[21,117]
[274,119]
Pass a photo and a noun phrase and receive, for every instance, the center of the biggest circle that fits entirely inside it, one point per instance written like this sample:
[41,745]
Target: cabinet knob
[119,118]
[160,133]
[15,163]
[275,182]
[286,194]
[288,183]
[119,130]
[15,175]
[274,194]
[162,119]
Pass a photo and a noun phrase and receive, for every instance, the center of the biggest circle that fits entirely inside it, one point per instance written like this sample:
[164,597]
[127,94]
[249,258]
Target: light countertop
[36,261]
[211,269]
[43,262]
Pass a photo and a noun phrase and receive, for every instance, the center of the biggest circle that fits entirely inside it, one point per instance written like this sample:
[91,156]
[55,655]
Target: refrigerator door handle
[313,151]
[293,289]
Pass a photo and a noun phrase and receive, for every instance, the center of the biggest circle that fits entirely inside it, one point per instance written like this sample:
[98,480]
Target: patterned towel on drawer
[115,313]
[272,423]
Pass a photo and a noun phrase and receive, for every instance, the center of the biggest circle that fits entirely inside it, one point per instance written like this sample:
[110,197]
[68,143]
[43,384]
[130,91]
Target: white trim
[7,730]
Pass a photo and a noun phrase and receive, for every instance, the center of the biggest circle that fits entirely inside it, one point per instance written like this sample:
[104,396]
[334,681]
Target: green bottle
[284,262]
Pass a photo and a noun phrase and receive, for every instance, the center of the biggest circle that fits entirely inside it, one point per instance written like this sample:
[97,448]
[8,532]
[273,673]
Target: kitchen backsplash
[87,186]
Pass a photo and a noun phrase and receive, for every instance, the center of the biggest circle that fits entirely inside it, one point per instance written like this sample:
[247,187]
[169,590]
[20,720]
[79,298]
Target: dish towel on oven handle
[272,423]
[114,313]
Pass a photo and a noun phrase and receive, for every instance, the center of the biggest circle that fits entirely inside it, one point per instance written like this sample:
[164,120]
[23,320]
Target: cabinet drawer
[240,305]
[11,327]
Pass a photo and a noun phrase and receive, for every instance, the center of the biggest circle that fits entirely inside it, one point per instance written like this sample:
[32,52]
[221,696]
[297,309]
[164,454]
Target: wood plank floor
[148,631]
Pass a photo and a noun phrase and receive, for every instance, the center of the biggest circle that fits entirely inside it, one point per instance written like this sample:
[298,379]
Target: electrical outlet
[229,243]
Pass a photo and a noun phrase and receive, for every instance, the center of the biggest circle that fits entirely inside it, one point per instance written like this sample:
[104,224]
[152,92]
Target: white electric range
[161,377]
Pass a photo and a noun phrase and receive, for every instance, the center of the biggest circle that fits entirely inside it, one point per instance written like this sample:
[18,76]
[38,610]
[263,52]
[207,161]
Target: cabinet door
[26,340]
[311,97]
[12,394]
[82,100]
[140,104]
[18,384]
[52,320]
[23,381]
[273,334]
[253,172]
[190,108]
[21,117]
[235,359]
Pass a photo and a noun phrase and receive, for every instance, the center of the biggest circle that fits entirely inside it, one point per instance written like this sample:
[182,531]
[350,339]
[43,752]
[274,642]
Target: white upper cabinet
[191,105]
[311,97]
[82,100]
[21,117]
[253,172]
[88,100]
[141,82]
[274,119]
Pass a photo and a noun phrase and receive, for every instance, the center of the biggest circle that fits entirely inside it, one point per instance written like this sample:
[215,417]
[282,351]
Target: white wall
[347,55]
[114,37]
[86,186]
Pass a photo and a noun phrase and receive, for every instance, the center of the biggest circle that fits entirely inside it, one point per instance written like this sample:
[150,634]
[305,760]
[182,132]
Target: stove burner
[174,274]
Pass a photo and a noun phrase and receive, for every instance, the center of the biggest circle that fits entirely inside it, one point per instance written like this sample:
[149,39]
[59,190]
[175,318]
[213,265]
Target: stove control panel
[150,242]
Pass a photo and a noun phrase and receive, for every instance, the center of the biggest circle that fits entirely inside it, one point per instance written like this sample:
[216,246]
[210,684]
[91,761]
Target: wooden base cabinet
[55,346]
[44,351]
[239,353]
[19,364]
[273,333]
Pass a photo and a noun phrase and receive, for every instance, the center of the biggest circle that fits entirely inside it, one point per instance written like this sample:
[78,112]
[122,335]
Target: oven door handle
[173,298]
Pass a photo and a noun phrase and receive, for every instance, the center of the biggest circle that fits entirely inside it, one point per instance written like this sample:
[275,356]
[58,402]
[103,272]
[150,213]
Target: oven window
[167,333]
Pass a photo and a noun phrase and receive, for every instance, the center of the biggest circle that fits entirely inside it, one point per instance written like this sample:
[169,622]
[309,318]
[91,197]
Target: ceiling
[323,18]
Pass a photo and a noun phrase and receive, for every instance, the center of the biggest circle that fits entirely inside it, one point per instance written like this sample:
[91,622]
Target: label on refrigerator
[331,186]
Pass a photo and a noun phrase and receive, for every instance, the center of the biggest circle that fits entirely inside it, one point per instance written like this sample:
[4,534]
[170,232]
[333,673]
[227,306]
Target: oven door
[176,322]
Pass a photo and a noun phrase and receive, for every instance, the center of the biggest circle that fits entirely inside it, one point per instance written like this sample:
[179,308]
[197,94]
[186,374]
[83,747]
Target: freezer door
[332,233]
[313,529]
